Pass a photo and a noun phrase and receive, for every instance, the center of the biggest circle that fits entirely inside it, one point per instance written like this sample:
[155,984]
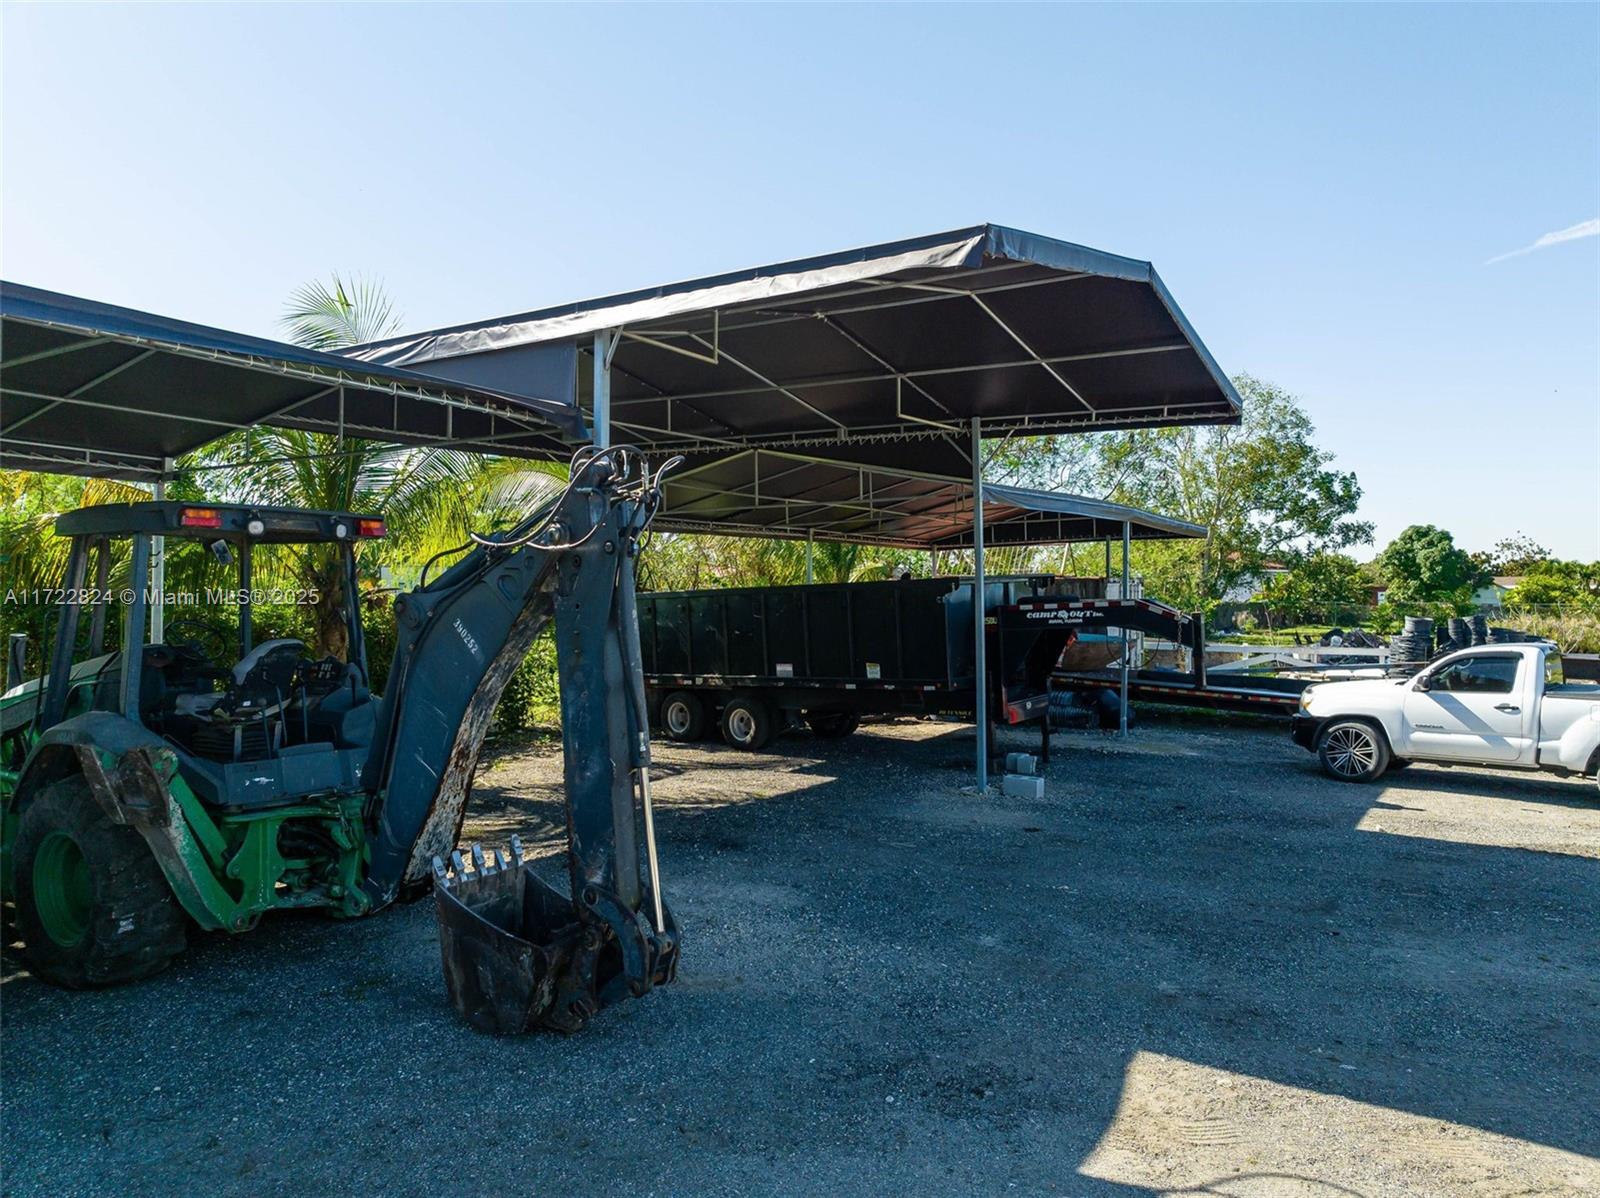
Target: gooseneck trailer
[754,661]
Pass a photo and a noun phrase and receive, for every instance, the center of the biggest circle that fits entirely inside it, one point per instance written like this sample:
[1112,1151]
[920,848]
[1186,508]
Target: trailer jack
[519,955]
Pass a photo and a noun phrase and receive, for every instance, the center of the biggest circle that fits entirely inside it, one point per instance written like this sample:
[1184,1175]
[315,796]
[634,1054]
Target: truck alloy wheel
[1352,751]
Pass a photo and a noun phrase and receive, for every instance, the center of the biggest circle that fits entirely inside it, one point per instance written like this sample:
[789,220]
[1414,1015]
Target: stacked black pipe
[1415,644]
[1510,636]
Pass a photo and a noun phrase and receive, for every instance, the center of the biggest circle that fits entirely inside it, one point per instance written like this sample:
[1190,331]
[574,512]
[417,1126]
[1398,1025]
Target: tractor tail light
[201,517]
[370,528]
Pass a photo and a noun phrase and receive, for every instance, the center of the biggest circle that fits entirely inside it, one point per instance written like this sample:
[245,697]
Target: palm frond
[341,312]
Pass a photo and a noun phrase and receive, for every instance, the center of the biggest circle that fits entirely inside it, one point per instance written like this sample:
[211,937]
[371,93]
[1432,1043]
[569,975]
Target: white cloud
[1584,228]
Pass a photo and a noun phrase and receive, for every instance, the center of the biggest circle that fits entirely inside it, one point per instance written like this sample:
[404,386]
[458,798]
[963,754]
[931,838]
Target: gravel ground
[1195,967]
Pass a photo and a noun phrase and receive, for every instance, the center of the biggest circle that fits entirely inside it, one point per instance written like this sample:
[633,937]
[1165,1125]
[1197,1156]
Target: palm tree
[338,314]
[429,498]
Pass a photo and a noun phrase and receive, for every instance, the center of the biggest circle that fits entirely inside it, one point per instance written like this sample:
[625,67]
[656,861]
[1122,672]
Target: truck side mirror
[1424,682]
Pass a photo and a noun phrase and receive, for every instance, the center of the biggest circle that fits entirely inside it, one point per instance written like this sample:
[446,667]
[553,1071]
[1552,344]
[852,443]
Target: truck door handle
[1506,707]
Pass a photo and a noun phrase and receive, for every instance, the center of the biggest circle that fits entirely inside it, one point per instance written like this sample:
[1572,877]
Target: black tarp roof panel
[91,388]
[770,493]
[909,339]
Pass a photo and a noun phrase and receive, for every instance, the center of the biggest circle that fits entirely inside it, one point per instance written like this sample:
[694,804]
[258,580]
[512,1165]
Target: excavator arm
[518,953]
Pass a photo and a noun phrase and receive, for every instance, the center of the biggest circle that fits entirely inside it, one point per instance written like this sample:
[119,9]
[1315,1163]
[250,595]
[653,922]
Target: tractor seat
[253,658]
[203,705]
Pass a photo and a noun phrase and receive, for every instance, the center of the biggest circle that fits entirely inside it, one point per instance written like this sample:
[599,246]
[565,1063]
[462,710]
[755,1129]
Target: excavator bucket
[518,955]
[504,937]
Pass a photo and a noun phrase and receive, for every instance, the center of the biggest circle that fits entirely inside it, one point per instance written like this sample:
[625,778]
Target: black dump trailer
[756,661]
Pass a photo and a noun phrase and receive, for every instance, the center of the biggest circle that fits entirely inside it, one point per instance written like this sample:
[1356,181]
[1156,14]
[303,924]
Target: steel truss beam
[353,378]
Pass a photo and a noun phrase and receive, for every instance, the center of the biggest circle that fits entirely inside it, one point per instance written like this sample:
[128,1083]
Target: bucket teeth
[484,865]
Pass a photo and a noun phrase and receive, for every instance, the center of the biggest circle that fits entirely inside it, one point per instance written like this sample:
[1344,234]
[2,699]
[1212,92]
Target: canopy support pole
[605,342]
[158,568]
[811,545]
[979,669]
[1122,701]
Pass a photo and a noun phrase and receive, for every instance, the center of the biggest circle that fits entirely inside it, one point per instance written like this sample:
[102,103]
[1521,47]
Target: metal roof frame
[793,496]
[903,341]
[87,387]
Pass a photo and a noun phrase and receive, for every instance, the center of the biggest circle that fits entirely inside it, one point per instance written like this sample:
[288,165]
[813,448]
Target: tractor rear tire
[834,725]
[747,723]
[683,717]
[92,904]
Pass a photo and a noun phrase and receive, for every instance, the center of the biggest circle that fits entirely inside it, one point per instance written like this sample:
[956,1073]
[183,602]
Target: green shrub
[532,696]
[1386,619]
[1575,632]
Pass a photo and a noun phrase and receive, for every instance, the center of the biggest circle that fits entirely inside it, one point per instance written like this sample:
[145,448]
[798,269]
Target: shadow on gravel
[1495,784]
[887,986]
[1240,920]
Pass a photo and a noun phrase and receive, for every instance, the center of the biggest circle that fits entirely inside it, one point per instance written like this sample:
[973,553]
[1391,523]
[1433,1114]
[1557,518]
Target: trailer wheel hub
[678,718]
[742,725]
[61,890]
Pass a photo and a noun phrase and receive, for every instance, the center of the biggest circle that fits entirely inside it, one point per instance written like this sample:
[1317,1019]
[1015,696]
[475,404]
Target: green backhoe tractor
[152,787]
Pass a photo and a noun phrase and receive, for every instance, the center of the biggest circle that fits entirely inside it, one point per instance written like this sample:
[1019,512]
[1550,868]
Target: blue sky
[1322,188]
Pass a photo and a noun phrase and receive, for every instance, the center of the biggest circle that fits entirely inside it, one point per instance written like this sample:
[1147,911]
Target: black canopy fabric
[89,388]
[771,493]
[871,349]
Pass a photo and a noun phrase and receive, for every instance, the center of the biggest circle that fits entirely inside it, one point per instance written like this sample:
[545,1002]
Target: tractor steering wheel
[200,636]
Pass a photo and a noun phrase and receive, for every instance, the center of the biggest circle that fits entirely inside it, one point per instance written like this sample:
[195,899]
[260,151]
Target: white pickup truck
[1494,705]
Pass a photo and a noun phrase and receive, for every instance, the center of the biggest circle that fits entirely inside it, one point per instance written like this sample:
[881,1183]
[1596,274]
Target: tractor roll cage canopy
[219,521]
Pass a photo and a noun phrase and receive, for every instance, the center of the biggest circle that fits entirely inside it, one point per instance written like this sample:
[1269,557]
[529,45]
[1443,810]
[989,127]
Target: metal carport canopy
[771,493]
[91,388]
[882,349]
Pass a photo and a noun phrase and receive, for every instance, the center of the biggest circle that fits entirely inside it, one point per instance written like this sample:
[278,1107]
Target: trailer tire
[834,725]
[1353,751]
[93,907]
[683,717]
[747,723]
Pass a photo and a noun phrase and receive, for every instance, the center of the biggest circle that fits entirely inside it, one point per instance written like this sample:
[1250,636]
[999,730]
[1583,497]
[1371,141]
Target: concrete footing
[1022,786]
